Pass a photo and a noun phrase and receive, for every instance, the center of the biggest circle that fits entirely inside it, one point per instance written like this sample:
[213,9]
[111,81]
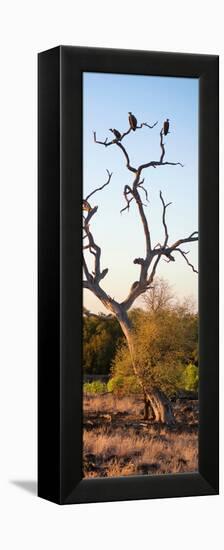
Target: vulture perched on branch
[115,132]
[166,126]
[132,121]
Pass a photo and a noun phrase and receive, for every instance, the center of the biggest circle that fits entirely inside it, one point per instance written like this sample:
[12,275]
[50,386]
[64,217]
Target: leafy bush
[190,378]
[169,377]
[95,387]
[164,343]
[123,385]
[101,335]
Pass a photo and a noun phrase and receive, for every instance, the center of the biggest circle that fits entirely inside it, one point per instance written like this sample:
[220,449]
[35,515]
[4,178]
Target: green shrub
[164,343]
[95,387]
[190,378]
[169,377]
[123,385]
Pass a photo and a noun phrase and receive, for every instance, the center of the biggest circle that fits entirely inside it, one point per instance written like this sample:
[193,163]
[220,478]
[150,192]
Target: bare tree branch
[127,191]
[126,207]
[96,251]
[189,239]
[140,184]
[144,281]
[114,140]
[153,163]
[147,265]
[132,193]
[102,186]
[174,246]
[168,250]
[86,271]
[148,125]
[93,248]
[186,259]
[86,285]
[141,285]
[144,221]
[162,146]
[131,168]
[164,218]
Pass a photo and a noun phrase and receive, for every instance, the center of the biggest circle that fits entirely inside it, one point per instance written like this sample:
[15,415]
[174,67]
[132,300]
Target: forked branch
[169,250]
[152,163]
[97,275]
[132,194]
[102,186]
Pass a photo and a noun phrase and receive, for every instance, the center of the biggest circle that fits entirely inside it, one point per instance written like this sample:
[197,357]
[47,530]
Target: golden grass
[110,404]
[117,445]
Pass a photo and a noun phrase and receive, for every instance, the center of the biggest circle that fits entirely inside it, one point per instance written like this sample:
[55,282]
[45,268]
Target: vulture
[86,206]
[132,121]
[166,126]
[116,133]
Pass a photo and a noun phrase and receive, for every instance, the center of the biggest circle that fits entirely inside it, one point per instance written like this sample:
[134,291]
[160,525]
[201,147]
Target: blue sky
[107,98]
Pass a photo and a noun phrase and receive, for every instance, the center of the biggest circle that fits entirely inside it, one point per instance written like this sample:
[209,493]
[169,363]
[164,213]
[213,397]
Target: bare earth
[117,442]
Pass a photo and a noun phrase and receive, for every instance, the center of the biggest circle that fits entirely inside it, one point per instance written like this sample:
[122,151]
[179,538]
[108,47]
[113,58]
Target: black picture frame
[59,275]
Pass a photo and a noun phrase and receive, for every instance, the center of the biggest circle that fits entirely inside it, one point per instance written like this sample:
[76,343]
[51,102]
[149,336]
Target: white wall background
[27,27]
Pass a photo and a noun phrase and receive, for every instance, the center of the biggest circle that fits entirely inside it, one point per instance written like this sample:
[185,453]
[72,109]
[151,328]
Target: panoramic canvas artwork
[140,275]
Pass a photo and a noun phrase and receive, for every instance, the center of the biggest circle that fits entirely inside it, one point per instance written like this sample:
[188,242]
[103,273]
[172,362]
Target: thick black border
[60,292]
[49,275]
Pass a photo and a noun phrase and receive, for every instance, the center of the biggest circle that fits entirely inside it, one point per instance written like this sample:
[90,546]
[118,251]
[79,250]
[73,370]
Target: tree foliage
[101,336]
[191,378]
[165,346]
[165,341]
[95,387]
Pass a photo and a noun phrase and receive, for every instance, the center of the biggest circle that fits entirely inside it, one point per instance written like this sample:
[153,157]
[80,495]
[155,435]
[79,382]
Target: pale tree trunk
[155,400]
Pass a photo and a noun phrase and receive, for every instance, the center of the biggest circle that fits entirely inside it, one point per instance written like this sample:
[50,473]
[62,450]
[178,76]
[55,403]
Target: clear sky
[107,98]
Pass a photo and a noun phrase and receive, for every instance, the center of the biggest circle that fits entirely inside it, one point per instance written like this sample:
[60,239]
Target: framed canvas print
[128,275]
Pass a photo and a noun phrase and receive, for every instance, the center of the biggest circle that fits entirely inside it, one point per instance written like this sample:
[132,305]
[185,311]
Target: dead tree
[159,296]
[154,399]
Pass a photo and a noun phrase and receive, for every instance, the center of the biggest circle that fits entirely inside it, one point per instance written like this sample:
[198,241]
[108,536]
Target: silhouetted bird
[166,126]
[116,133]
[132,121]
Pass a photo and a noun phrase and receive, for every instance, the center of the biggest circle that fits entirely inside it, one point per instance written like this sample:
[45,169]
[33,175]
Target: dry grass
[110,404]
[117,443]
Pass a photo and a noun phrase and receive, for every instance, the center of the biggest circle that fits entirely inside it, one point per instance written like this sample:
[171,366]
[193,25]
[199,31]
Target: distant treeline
[101,337]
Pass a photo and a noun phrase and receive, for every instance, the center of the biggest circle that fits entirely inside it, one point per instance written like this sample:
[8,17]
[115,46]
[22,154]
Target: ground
[118,442]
